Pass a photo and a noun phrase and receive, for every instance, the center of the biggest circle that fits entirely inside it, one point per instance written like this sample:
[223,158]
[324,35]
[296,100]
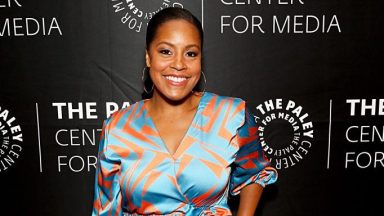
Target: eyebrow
[172,45]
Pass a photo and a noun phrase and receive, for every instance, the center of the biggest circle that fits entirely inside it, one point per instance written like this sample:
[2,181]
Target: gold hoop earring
[143,81]
[205,81]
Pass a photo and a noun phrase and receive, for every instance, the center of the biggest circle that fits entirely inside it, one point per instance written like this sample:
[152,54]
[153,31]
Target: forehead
[176,31]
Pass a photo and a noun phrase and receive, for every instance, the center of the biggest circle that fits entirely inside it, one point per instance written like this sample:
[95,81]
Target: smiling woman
[182,151]
[174,59]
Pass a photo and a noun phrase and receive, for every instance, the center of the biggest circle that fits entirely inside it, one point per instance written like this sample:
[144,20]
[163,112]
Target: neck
[166,106]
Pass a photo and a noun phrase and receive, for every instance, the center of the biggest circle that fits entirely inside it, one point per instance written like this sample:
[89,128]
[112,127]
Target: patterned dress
[219,154]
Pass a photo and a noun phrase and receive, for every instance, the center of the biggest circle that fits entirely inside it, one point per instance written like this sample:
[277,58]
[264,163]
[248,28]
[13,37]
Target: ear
[147,59]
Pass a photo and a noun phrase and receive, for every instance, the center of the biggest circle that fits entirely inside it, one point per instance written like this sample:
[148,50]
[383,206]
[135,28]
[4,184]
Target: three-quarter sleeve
[107,193]
[251,165]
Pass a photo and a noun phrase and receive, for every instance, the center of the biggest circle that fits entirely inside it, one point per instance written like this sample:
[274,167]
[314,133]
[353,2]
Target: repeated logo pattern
[219,154]
[11,139]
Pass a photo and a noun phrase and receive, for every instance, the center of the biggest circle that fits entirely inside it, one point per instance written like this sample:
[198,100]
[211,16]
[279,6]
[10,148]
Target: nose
[178,63]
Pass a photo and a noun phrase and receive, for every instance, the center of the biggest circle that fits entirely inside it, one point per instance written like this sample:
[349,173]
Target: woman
[181,151]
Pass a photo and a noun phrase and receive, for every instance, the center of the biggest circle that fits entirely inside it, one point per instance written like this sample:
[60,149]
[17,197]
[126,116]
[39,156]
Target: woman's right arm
[107,194]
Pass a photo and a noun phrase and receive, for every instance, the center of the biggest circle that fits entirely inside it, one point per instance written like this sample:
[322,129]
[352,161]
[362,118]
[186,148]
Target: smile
[176,79]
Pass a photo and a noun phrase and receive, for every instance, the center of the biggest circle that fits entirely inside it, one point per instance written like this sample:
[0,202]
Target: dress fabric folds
[219,154]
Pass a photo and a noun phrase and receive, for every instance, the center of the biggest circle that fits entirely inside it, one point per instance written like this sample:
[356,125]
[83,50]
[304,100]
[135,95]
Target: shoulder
[230,109]
[217,100]
[121,116]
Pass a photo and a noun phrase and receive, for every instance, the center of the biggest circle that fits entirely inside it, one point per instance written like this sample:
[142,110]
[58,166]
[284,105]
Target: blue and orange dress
[219,154]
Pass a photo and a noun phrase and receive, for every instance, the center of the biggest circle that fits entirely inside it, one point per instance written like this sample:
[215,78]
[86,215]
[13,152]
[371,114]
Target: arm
[249,198]
[107,195]
[252,169]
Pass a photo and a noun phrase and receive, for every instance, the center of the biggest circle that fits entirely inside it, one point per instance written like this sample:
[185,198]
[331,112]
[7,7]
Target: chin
[177,95]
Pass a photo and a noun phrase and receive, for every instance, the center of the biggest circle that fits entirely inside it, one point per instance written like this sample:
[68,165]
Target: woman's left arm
[252,170]
[249,198]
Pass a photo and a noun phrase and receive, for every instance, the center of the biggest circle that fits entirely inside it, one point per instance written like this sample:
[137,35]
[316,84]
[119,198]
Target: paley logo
[135,13]
[285,131]
[11,138]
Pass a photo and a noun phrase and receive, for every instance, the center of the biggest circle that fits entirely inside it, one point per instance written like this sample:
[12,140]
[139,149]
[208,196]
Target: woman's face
[174,59]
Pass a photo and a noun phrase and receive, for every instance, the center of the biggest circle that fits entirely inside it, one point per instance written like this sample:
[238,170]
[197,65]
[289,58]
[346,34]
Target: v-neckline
[188,131]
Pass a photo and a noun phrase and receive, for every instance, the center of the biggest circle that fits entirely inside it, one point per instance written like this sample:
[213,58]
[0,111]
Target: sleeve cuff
[265,177]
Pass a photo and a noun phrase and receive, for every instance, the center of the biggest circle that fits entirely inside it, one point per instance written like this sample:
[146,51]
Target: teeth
[175,79]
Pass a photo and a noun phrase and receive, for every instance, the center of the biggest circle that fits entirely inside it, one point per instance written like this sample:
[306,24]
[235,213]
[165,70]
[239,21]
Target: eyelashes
[167,52]
[192,54]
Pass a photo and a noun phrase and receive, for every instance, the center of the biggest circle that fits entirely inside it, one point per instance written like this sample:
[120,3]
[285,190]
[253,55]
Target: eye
[192,54]
[165,52]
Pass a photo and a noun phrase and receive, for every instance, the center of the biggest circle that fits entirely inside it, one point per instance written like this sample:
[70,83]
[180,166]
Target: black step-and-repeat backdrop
[310,71]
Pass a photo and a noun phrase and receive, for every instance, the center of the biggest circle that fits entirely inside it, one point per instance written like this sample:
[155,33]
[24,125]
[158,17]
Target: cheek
[196,67]
[157,65]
